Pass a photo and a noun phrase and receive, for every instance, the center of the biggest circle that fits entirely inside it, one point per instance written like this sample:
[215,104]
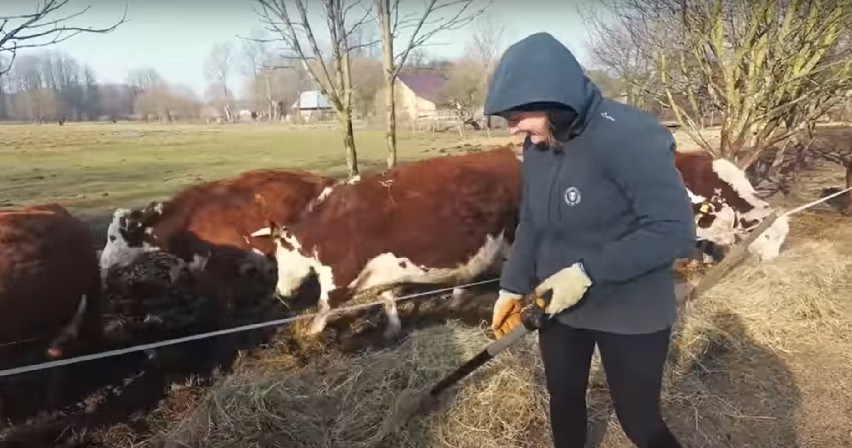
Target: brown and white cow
[443,220]
[213,221]
[49,280]
[726,205]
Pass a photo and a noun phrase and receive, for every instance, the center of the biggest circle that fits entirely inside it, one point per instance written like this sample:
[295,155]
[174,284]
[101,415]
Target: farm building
[420,96]
[312,104]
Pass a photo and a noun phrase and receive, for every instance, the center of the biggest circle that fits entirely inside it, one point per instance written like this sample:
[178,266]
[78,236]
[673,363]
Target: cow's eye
[112,238]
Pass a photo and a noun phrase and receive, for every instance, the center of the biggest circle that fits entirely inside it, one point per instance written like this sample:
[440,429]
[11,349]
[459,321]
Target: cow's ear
[151,213]
[274,230]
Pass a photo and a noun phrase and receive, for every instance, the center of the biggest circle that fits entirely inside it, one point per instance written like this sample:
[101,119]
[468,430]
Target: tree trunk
[390,76]
[390,134]
[270,104]
[349,144]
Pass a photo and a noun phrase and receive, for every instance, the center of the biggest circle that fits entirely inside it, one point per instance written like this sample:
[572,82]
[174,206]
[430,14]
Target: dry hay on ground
[762,359]
[799,295]
[753,355]
[346,401]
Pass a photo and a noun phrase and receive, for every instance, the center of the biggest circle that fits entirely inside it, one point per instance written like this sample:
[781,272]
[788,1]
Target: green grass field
[93,168]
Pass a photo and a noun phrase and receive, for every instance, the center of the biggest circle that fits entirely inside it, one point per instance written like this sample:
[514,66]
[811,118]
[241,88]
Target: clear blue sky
[175,36]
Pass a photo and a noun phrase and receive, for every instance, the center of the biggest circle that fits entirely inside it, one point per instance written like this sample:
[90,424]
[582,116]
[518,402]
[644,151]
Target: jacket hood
[539,69]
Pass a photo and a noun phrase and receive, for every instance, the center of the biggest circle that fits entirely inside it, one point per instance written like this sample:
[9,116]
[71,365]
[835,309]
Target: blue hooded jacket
[610,197]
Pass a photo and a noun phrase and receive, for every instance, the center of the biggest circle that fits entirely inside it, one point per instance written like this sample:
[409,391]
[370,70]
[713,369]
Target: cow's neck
[295,265]
[736,178]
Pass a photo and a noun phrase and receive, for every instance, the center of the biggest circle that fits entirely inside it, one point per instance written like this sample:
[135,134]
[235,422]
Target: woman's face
[529,123]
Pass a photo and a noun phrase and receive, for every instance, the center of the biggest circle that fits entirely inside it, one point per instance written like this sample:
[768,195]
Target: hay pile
[729,382]
[348,402]
[763,358]
[802,294]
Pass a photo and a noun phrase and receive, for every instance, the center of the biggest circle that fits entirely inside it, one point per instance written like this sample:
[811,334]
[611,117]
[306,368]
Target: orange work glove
[506,314]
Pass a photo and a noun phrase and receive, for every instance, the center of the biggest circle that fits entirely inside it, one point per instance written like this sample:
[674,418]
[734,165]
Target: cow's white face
[121,248]
[722,229]
[293,267]
[768,245]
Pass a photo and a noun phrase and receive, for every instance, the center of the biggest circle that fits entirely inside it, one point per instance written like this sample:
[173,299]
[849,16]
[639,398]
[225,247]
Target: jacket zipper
[553,178]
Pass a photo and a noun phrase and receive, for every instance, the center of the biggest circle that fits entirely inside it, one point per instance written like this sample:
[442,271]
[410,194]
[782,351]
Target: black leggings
[633,365]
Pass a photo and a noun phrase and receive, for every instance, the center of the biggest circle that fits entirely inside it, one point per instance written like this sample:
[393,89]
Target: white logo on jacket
[572,196]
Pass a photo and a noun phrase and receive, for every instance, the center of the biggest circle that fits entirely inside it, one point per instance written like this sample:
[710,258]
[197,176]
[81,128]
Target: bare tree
[45,26]
[50,85]
[38,105]
[487,40]
[258,68]
[364,40]
[217,68]
[255,55]
[277,82]
[465,87]
[468,77]
[366,69]
[331,72]
[154,97]
[4,93]
[486,44]
[610,86]
[770,68]
[116,100]
[421,26]
[367,79]
[167,103]
[417,57]
[145,78]
[623,48]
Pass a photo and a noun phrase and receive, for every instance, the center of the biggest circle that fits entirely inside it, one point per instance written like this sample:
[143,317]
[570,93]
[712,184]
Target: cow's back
[696,170]
[717,181]
[47,262]
[226,212]
[436,212]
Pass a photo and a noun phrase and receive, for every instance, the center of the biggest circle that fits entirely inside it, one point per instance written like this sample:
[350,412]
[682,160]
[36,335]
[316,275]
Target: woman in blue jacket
[603,216]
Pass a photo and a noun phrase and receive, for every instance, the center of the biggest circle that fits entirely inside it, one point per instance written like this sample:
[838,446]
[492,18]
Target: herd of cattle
[215,252]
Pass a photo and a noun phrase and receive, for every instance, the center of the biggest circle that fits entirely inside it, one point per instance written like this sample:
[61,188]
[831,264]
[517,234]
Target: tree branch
[424,29]
[31,29]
